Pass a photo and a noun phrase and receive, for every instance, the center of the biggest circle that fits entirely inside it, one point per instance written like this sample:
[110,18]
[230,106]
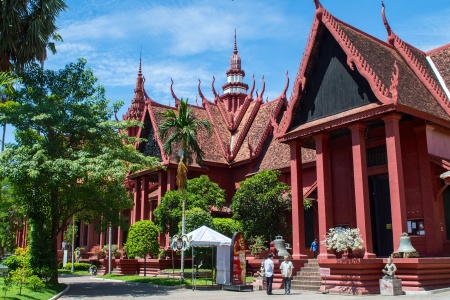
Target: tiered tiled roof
[398,74]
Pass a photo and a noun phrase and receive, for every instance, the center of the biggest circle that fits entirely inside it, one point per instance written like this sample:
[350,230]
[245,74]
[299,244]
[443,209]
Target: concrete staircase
[308,278]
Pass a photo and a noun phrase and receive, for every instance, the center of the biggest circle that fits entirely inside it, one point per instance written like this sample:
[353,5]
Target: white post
[110,247]
[73,243]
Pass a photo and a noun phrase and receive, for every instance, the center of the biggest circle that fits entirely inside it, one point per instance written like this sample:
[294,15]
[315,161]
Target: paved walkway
[93,288]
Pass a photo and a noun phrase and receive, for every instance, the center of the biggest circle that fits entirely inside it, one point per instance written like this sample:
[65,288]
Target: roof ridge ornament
[391,34]
[235,45]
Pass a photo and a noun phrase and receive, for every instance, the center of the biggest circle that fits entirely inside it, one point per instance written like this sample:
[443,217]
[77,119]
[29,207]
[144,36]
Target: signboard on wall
[238,260]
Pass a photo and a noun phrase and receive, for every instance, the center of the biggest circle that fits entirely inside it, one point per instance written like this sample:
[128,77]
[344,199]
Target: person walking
[315,248]
[268,266]
[286,270]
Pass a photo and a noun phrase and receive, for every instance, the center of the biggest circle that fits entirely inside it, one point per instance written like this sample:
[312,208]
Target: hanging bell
[405,244]
[280,246]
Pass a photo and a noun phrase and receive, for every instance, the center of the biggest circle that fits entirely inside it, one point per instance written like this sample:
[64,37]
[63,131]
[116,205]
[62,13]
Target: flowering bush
[342,239]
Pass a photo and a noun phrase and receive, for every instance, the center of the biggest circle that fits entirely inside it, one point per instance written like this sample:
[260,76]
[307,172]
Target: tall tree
[28,29]
[200,193]
[12,216]
[261,204]
[142,240]
[69,156]
[182,131]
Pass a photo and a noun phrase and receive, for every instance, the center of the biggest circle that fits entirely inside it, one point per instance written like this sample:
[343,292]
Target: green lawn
[160,280]
[63,271]
[13,293]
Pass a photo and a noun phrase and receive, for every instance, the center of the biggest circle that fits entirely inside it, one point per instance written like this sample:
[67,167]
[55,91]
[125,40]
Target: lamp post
[180,243]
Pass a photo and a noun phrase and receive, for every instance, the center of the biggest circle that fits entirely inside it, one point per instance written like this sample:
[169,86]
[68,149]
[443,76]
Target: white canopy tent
[206,237]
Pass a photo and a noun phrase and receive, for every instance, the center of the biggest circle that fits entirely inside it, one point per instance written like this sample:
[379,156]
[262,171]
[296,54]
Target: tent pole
[194,279]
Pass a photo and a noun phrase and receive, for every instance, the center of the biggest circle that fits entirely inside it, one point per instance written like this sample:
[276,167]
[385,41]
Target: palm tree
[28,28]
[182,130]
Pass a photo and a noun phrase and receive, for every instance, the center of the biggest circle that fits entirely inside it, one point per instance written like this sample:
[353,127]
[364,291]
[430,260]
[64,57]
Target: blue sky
[187,40]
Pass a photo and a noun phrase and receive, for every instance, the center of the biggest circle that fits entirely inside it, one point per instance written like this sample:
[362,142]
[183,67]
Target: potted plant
[258,245]
[98,252]
[343,240]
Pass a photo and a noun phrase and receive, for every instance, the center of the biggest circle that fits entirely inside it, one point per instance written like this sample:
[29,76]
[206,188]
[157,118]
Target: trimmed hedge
[78,266]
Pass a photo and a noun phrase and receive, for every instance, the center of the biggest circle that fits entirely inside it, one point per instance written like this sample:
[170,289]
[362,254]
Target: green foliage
[261,205]
[21,274]
[68,235]
[227,226]
[307,204]
[196,218]
[181,130]
[11,216]
[203,193]
[258,244]
[200,192]
[78,266]
[28,28]
[69,157]
[35,283]
[13,262]
[7,283]
[142,239]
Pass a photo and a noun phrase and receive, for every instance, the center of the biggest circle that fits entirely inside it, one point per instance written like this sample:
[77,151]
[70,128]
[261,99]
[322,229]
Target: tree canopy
[142,239]
[69,156]
[196,218]
[261,204]
[200,192]
[11,217]
[27,29]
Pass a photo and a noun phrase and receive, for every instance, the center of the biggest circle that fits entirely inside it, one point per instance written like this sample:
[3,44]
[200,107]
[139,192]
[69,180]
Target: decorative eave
[177,101]
[354,59]
[339,120]
[432,86]
[404,49]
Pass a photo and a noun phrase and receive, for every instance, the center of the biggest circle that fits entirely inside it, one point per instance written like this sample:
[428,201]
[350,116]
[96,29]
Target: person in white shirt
[268,266]
[286,270]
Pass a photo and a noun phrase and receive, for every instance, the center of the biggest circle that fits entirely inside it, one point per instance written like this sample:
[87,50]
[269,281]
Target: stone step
[307,278]
[307,273]
[305,287]
[309,270]
[308,283]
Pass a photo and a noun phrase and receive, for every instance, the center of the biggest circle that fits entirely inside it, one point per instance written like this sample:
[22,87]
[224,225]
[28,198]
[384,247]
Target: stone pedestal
[391,287]
[259,284]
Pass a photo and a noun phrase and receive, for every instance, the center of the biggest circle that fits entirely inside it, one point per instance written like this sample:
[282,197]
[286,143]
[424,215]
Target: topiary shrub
[77,266]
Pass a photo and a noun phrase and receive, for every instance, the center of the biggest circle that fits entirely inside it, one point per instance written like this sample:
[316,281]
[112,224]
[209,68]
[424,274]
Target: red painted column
[90,239]
[433,233]
[325,205]
[396,183]
[144,199]
[298,223]
[135,214]
[362,200]
[162,185]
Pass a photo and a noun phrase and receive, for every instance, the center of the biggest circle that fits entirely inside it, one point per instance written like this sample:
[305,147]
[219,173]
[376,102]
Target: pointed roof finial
[235,46]
[140,62]
[391,36]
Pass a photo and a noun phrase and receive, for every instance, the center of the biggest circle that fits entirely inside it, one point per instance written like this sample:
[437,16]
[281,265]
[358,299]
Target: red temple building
[365,134]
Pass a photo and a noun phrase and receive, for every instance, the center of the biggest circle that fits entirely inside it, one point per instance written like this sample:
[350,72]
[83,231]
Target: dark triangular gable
[149,147]
[332,86]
